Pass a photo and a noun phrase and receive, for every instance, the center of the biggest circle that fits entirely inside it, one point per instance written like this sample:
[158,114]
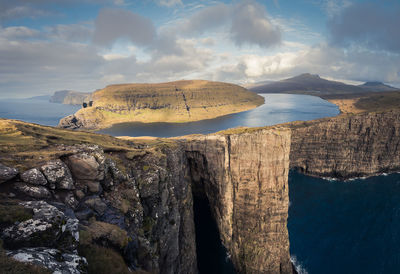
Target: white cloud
[250,25]
[19,32]
[247,23]
[169,3]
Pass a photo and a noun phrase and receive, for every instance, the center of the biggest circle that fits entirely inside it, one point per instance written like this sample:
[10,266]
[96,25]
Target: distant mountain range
[314,85]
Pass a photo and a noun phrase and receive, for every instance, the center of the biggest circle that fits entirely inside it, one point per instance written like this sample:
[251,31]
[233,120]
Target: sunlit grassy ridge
[180,101]
[26,145]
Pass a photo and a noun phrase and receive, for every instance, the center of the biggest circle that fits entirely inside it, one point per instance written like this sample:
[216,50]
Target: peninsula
[173,102]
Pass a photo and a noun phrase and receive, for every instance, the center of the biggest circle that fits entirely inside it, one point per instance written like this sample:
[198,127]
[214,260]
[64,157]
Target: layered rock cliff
[245,177]
[347,146]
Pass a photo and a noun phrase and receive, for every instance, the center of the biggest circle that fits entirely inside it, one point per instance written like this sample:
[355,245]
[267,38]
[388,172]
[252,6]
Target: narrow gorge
[136,200]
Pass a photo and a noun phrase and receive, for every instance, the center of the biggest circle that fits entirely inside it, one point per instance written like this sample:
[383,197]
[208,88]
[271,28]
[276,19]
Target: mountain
[173,102]
[377,86]
[307,84]
[253,85]
[69,97]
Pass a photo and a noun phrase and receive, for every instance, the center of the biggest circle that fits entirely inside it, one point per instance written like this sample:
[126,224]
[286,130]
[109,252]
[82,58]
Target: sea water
[345,227]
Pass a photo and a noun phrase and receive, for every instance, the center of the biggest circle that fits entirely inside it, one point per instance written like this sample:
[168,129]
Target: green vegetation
[26,145]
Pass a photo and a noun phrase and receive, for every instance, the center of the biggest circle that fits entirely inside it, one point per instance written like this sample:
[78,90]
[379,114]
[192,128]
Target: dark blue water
[345,227]
[278,108]
[35,111]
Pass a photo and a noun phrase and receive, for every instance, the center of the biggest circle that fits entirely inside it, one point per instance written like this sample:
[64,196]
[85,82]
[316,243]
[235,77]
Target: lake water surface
[278,108]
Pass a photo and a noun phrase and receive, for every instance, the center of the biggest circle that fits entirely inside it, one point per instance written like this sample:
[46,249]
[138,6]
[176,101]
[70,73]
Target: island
[173,102]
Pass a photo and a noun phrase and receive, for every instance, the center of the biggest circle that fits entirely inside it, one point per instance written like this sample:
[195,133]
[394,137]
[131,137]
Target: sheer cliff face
[245,177]
[347,146]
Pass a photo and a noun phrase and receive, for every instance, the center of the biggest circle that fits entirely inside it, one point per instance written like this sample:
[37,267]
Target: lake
[278,108]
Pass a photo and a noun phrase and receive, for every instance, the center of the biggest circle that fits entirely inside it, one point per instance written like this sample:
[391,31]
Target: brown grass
[25,145]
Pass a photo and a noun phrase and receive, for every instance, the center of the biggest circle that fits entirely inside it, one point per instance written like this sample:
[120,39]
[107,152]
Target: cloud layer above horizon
[50,45]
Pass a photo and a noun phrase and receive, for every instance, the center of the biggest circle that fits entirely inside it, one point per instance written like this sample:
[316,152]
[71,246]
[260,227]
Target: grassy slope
[25,145]
[179,101]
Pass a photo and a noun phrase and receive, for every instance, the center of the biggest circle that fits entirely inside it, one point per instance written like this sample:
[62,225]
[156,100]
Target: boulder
[52,259]
[49,227]
[58,175]
[7,173]
[34,176]
[85,167]
[39,192]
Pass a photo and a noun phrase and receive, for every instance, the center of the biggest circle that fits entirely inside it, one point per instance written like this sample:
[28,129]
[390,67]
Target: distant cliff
[69,97]
[347,146]
[180,101]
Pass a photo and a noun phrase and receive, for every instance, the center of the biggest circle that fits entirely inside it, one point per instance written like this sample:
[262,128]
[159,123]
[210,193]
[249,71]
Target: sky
[84,45]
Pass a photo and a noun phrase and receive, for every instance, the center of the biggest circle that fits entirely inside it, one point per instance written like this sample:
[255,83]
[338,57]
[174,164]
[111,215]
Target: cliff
[180,101]
[131,203]
[347,146]
[245,178]
[69,97]
[78,208]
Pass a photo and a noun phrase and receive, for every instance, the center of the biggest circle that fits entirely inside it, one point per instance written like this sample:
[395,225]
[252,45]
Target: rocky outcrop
[245,177]
[134,209]
[7,173]
[347,146]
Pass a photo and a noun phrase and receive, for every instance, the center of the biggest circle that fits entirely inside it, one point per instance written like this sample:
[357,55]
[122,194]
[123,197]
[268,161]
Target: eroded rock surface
[53,259]
[58,175]
[34,176]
